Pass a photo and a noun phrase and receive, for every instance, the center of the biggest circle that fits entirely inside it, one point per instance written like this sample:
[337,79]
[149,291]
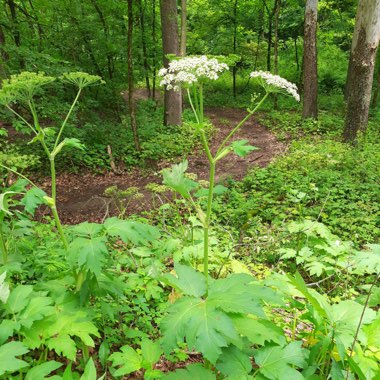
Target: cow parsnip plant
[23,88]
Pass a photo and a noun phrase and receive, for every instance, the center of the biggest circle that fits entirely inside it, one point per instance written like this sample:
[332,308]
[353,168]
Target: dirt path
[81,197]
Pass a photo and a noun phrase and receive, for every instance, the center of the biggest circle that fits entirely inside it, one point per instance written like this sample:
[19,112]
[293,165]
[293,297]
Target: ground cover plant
[177,299]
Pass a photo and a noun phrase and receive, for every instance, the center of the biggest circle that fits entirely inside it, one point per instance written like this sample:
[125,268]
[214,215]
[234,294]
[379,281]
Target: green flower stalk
[191,73]
[23,88]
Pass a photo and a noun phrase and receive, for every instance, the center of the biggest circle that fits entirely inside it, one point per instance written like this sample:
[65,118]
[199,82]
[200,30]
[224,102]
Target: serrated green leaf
[234,362]
[189,281]
[241,148]
[8,360]
[175,179]
[368,261]
[218,190]
[259,331]
[205,328]
[277,363]
[151,351]
[87,229]
[89,371]
[19,298]
[131,232]
[89,253]
[32,199]
[41,371]
[63,345]
[128,361]
[191,372]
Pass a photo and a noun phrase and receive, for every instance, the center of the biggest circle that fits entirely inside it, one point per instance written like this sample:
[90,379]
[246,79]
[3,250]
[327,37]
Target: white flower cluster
[274,82]
[189,70]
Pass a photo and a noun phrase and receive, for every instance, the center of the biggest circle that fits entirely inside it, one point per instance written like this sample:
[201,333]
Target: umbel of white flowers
[275,83]
[186,71]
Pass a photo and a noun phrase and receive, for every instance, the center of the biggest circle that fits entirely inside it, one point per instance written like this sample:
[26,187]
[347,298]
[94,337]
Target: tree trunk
[131,100]
[144,49]
[365,42]
[259,33]
[310,68]
[4,57]
[269,43]
[275,49]
[234,68]
[376,92]
[296,54]
[169,21]
[183,27]
[154,39]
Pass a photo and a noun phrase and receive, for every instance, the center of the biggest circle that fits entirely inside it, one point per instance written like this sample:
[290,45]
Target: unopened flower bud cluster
[187,71]
[276,82]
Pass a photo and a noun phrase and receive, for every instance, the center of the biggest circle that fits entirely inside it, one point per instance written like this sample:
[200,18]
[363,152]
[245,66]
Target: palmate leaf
[175,179]
[32,199]
[89,253]
[131,232]
[128,361]
[234,363]
[241,148]
[205,328]
[189,281]
[368,261]
[8,360]
[277,363]
[191,372]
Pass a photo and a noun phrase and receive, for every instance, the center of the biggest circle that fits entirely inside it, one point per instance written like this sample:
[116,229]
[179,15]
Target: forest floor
[81,196]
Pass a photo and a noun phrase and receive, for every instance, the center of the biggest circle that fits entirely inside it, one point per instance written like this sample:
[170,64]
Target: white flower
[189,70]
[275,83]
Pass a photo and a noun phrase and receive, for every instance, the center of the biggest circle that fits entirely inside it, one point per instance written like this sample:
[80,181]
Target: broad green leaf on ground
[37,309]
[89,371]
[41,371]
[372,333]
[368,261]
[189,281]
[32,199]
[191,372]
[204,328]
[175,178]
[234,362]
[131,232]
[127,361]
[151,351]
[241,148]
[259,331]
[4,288]
[19,298]
[277,363]
[87,229]
[8,360]
[315,299]
[88,253]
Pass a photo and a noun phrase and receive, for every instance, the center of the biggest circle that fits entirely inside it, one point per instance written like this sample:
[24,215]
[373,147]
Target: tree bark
[234,68]
[310,68]
[154,39]
[4,57]
[376,92]
[144,49]
[183,27]
[169,21]
[365,42]
[275,48]
[131,100]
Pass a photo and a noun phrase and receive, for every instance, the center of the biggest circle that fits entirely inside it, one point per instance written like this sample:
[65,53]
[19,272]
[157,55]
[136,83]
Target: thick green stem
[67,118]
[192,106]
[59,226]
[225,141]
[3,247]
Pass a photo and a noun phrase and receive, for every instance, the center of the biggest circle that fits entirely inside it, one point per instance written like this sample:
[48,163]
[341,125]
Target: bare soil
[81,196]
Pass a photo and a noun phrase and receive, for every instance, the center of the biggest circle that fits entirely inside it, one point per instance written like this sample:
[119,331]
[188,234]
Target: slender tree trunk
[259,33]
[275,49]
[183,27]
[3,55]
[310,69]
[144,49]
[234,69]
[15,28]
[154,39]
[131,100]
[169,22]
[365,42]
[376,92]
[269,43]
[296,54]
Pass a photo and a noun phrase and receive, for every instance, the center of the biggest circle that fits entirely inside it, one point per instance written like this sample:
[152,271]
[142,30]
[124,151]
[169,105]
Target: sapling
[23,88]
[191,73]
